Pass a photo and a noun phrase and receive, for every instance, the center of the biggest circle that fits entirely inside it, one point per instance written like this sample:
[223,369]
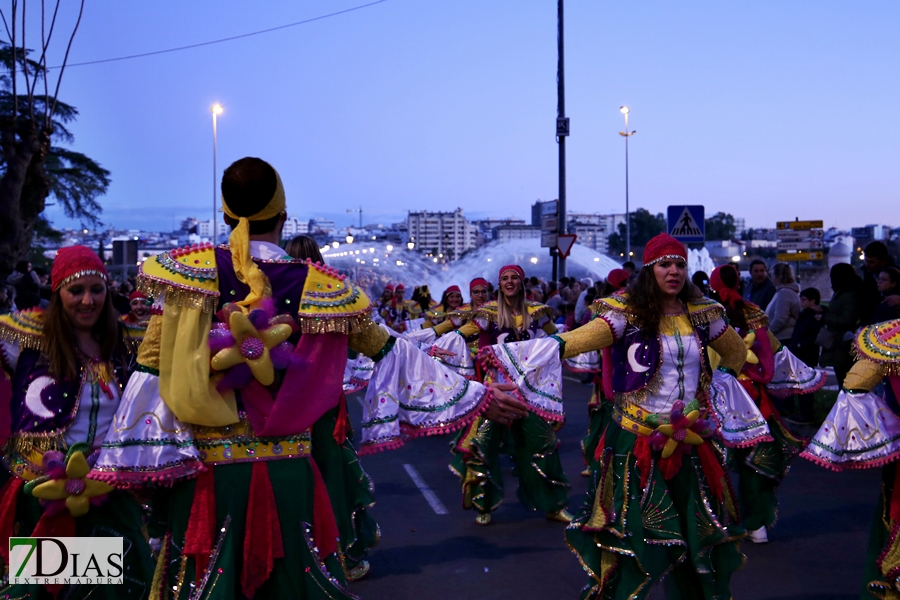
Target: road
[816,549]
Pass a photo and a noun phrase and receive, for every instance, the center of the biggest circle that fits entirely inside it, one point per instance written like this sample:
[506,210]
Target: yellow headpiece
[244,267]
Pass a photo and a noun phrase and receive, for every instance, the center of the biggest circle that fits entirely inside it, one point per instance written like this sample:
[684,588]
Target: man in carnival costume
[227,377]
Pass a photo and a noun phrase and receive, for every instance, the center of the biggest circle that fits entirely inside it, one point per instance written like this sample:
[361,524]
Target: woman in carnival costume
[451,302]
[542,484]
[660,503]
[762,467]
[861,432]
[395,312]
[218,366]
[71,364]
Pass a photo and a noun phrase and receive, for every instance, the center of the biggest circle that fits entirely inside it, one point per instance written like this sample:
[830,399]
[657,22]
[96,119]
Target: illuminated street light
[349,239]
[410,245]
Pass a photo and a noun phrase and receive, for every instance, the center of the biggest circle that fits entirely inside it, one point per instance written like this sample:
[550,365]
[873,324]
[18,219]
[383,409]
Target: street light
[216,111]
[349,239]
[410,245]
[626,134]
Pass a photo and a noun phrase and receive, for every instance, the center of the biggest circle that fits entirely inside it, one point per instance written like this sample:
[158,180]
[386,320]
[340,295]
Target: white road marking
[436,505]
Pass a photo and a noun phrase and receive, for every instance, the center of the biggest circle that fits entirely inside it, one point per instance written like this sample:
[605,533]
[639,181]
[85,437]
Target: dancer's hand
[436,352]
[504,408]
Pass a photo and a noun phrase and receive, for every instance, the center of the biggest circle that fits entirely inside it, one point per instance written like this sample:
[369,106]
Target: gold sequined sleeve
[864,375]
[445,327]
[550,328]
[773,341]
[369,339]
[593,336]
[148,353]
[731,348]
[469,329]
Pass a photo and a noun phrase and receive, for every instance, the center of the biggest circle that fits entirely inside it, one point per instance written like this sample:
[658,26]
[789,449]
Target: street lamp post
[216,111]
[627,134]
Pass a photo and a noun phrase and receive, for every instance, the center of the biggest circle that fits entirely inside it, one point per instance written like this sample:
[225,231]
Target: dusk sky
[767,110]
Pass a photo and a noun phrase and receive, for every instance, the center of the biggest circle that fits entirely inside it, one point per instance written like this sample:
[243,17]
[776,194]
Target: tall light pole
[627,134]
[562,131]
[216,111]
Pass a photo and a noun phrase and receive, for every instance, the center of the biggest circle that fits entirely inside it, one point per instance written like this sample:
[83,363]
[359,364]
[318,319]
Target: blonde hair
[783,274]
[505,317]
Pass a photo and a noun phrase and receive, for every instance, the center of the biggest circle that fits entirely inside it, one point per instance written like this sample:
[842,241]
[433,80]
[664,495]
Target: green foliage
[644,225]
[75,182]
[720,226]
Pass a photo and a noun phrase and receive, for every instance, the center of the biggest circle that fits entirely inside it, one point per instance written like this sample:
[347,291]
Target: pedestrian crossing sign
[687,223]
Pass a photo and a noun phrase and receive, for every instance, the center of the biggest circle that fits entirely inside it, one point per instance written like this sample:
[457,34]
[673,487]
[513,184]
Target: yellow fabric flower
[74,489]
[252,347]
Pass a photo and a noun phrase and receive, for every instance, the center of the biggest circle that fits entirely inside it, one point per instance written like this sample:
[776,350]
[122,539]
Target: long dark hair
[645,299]
[59,345]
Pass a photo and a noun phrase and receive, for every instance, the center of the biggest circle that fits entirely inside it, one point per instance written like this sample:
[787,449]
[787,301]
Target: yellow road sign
[800,256]
[800,225]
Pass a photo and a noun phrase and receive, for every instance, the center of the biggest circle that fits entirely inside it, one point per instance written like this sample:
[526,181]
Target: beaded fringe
[12,335]
[326,324]
[179,296]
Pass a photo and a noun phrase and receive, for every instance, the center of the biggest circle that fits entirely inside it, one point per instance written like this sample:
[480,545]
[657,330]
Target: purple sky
[768,110]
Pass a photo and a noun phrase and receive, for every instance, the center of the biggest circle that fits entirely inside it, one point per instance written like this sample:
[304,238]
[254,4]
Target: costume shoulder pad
[538,310]
[487,312]
[331,303]
[186,276]
[880,343]
[615,303]
[755,316]
[704,311]
[23,327]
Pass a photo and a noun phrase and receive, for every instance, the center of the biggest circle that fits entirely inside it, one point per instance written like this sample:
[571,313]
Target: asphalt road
[431,547]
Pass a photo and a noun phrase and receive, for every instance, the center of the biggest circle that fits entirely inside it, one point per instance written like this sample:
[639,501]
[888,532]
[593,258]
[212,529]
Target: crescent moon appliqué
[632,361]
[33,397]
[501,339]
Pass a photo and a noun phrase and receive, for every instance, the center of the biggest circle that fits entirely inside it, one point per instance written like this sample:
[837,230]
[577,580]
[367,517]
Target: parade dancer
[660,503]
[71,364]
[761,468]
[861,432]
[218,365]
[532,440]
[451,304]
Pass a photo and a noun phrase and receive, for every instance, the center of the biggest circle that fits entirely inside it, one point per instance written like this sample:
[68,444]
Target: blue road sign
[687,223]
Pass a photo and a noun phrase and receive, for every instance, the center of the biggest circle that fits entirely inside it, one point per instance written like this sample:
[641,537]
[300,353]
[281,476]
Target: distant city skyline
[768,111]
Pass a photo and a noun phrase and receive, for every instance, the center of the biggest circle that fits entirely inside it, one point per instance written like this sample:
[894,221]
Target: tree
[720,226]
[32,164]
[643,227]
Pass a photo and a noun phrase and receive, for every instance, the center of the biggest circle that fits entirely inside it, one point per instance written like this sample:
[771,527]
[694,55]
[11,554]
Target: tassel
[342,425]
[670,466]
[601,445]
[713,471]
[200,535]
[9,494]
[262,535]
[325,531]
[644,459]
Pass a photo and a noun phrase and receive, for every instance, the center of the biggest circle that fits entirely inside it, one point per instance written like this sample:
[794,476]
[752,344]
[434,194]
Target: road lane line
[436,505]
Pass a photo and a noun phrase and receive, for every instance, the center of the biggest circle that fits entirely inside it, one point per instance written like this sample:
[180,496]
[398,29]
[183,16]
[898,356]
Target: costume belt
[237,443]
[631,418]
